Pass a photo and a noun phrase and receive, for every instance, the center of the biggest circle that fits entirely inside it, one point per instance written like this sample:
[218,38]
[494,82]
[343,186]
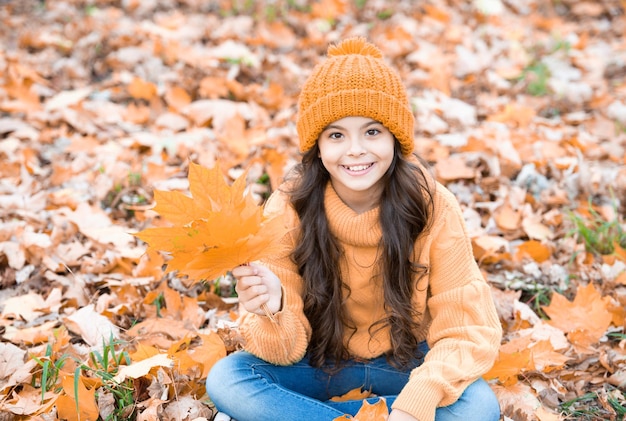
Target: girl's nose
[356,146]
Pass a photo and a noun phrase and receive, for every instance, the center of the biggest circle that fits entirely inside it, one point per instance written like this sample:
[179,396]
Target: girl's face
[357,152]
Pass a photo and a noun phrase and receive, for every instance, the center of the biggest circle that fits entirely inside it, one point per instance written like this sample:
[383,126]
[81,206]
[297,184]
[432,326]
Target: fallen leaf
[454,168]
[209,352]
[354,394]
[536,250]
[508,365]
[585,319]
[29,402]
[141,89]
[81,407]
[25,307]
[377,411]
[95,329]
[14,369]
[143,367]
[30,335]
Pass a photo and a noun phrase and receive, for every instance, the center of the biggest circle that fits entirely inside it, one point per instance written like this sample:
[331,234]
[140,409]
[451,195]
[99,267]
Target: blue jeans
[250,389]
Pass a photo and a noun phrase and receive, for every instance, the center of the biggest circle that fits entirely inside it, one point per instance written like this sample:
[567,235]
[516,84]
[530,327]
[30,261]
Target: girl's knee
[477,403]
[227,372]
[483,400]
[217,375]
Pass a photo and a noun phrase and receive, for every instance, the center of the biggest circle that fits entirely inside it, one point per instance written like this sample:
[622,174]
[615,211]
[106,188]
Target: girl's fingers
[254,305]
[247,282]
[256,286]
[245,270]
[251,290]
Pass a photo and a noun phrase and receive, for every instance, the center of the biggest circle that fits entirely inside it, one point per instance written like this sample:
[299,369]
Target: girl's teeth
[358,168]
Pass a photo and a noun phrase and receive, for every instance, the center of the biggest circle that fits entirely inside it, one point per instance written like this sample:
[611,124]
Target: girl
[378,288]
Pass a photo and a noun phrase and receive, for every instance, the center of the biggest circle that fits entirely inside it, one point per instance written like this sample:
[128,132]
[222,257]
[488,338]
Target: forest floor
[520,108]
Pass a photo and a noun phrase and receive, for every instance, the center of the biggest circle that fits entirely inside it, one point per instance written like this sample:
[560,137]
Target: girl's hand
[397,415]
[257,285]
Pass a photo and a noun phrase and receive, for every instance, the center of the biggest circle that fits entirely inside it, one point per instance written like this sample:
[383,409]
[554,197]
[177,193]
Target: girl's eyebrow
[369,123]
[337,127]
[333,126]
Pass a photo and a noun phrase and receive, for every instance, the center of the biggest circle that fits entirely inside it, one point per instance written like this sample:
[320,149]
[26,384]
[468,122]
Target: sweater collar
[361,230]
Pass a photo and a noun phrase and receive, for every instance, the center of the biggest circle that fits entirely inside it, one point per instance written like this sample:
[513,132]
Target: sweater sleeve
[465,333]
[284,341]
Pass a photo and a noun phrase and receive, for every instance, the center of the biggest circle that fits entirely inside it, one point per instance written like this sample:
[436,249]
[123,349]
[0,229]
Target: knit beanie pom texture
[354,81]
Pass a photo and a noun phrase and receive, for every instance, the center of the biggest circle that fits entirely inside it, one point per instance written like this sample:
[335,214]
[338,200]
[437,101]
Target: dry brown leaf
[585,319]
[30,335]
[177,98]
[141,89]
[507,218]
[95,329]
[517,397]
[130,92]
[24,307]
[454,168]
[29,403]
[14,369]
[185,408]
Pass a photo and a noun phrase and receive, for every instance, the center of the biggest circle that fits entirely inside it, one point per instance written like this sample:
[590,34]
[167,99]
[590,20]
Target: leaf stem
[268,313]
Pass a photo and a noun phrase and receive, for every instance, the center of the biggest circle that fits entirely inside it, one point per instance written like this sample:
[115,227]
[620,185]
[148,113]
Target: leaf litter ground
[521,109]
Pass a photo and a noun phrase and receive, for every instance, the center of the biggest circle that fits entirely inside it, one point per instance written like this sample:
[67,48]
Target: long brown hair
[405,211]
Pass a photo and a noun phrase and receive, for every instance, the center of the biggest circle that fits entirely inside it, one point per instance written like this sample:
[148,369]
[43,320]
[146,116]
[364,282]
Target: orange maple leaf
[585,319]
[377,411]
[80,406]
[216,229]
[354,394]
[209,352]
[509,365]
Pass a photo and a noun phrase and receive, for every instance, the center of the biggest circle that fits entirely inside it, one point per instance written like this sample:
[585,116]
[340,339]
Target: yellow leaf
[143,367]
[218,228]
[143,352]
[585,319]
[208,188]
[177,208]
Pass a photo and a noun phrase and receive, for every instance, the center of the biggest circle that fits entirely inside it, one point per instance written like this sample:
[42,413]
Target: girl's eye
[334,135]
[372,132]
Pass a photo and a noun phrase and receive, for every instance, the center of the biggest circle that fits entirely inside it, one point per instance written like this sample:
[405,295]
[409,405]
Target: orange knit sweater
[459,319]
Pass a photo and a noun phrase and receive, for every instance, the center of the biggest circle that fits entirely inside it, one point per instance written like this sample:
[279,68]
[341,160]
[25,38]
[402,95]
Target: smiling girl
[378,288]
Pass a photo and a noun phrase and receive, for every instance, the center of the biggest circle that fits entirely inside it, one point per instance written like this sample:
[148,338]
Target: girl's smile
[358,168]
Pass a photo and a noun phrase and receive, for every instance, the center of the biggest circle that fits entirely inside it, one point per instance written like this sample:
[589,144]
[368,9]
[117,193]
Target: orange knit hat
[354,81]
